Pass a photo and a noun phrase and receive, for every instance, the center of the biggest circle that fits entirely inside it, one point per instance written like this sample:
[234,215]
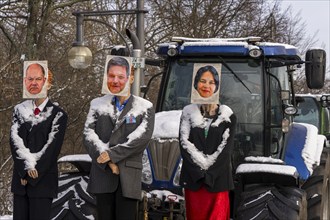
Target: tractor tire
[73,202]
[317,189]
[271,202]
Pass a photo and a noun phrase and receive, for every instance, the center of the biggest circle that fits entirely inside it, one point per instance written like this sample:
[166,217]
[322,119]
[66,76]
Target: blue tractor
[281,167]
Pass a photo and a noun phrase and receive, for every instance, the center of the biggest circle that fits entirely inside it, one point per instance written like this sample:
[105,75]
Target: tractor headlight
[254,51]
[146,169]
[325,100]
[172,50]
[290,110]
[176,180]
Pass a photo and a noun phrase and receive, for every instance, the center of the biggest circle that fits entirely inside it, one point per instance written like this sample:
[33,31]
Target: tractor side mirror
[315,68]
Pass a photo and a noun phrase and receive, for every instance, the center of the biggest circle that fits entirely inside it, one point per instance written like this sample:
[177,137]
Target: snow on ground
[6,217]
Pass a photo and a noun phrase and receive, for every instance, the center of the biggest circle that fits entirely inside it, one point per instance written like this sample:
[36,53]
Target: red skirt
[204,205]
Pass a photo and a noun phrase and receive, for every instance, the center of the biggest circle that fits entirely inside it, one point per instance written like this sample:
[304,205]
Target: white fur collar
[197,119]
[192,117]
[24,112]
[103,106]
[31,159]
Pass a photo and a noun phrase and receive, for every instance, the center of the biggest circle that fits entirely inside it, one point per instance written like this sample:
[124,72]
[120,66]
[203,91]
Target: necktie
[36,111]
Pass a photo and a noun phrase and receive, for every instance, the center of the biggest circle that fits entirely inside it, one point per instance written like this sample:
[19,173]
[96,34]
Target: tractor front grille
[165,154]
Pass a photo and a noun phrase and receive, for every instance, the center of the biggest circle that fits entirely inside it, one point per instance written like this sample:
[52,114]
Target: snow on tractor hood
[75,158]
[167,124]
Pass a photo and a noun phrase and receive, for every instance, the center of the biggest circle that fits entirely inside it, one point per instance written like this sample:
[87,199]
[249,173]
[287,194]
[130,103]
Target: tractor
[281,167]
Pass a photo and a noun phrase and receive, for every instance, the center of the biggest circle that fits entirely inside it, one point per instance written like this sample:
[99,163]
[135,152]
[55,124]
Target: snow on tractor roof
[227,47]
[270,44]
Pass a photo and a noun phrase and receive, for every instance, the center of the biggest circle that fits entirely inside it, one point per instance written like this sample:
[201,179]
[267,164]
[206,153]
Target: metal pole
[140,34]
[136,87]
[79,31]
[138,52]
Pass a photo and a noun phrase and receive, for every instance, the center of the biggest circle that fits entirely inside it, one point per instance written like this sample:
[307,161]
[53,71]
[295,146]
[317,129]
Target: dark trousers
[113,206]
[26,208]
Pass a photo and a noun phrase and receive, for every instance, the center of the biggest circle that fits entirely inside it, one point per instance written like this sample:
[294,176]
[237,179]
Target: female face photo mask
[206,83]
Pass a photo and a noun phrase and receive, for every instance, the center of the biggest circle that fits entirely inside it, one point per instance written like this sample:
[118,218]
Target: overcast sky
[316,15]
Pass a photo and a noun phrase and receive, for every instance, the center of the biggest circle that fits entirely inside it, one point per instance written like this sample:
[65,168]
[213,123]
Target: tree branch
[9,37]
[68,4]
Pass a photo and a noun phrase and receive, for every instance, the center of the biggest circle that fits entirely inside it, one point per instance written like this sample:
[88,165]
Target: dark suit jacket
[36,142]
[207,161]
[124,136]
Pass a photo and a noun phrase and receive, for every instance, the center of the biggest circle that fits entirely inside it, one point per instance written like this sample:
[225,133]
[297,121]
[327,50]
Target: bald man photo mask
[35,75]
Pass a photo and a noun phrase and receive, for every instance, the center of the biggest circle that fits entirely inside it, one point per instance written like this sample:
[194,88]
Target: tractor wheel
[73,202]
[271,202]
[317,189]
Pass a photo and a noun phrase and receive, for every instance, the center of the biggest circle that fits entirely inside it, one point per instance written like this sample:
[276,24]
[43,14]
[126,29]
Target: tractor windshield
[308,111]
[241,89]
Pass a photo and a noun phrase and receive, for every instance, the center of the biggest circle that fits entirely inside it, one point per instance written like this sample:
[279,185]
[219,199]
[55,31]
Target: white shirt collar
[42,105]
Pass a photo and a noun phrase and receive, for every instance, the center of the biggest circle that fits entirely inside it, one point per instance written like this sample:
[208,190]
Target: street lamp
[80,56]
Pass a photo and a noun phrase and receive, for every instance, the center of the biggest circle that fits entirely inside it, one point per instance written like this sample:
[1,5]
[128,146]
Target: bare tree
[35,30]
[45,30]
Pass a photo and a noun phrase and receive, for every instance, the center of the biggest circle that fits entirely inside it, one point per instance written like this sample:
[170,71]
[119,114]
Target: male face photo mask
[35,75]
[116,76]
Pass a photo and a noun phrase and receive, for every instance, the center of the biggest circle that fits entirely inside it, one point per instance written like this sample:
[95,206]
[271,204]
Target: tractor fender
[303,148]
[266,170]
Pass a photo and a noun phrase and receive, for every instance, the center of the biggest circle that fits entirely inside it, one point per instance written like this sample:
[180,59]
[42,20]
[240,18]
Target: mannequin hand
[33,173]
[23,182]
[114,168]
[103,158]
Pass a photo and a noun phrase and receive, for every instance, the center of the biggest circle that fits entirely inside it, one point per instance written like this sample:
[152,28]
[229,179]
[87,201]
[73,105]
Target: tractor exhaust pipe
[137,64]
